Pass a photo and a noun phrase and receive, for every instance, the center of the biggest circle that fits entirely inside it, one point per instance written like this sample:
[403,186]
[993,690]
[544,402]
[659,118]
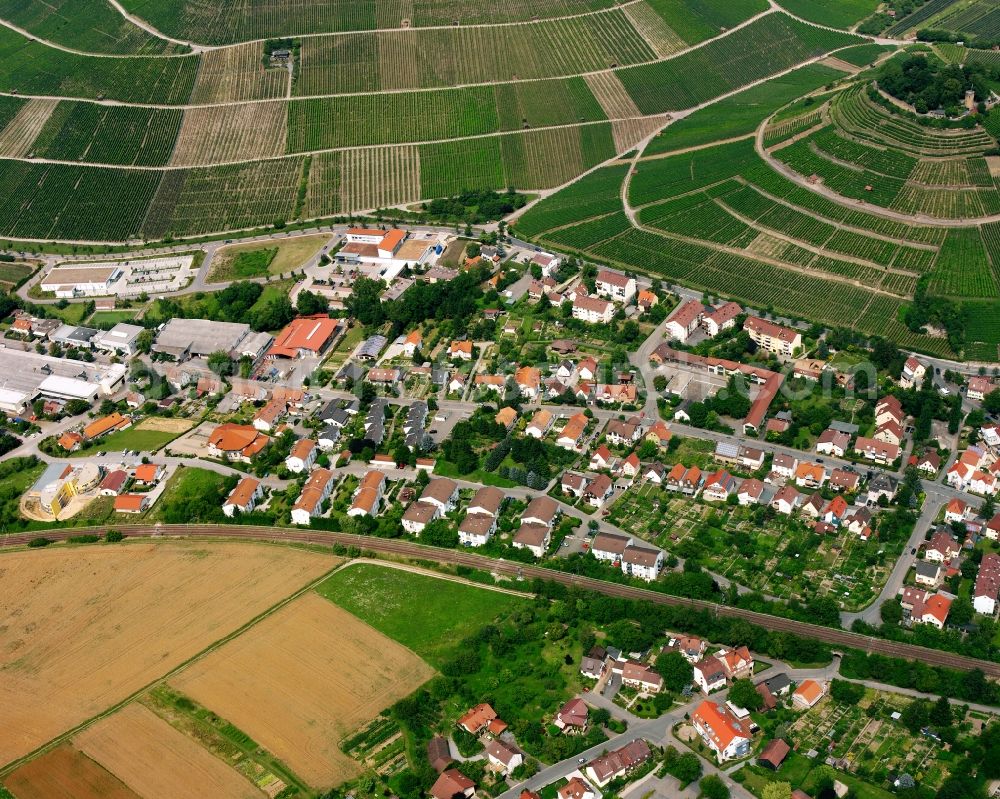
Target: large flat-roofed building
[27,375]
[81,281]
[121,339]
[195,338]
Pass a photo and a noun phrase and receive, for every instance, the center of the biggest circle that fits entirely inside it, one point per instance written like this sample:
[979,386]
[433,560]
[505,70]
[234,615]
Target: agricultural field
[227,133]
[89,25]
[963,269]
[154,759]
[148,608]
[149,435]
[13,273]
[978,19]
[416,610]
[236,74]
[841,14]
[65,773]
[301,680]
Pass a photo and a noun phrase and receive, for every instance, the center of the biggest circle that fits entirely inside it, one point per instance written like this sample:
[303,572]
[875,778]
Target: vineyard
[981,18]
[963,269]
[236,74]
[415,58]
[125,135]
[90,25]
[29,67]
[769,45]
[217,134]
[841,14]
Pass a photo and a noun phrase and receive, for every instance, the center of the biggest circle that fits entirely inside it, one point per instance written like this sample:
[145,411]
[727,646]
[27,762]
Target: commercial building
[80,281]
[24,376]
[193,338]
[119,340]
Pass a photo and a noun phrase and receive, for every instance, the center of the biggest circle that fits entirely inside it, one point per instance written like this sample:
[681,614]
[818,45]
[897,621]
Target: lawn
[72,314]
[187,485]
[132,438]
[262,258]
[427,614]
[14,273]
[102,319]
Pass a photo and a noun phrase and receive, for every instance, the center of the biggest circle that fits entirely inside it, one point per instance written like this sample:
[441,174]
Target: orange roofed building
[307,335]
[236,442]
[481,717]
[106,424]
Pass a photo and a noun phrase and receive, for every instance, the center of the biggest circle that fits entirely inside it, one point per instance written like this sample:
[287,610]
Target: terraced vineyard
[766,170]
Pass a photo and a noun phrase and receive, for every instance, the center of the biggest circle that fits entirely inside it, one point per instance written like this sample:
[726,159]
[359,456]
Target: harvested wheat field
[165,425]
[154,759]
[301,680]
[65,773]
[83,628]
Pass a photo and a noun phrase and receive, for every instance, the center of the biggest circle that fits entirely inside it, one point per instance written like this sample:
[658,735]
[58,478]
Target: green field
[427,614]
[131,438]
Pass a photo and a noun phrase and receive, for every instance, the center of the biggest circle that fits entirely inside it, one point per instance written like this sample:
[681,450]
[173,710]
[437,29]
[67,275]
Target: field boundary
[7,768]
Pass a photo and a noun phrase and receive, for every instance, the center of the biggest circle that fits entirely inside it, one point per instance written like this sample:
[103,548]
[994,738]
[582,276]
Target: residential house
[772,337]
[646,300]
[836,510]
[575,788]
[572,716]
[922,607]
[718,486]
[502,756]
[810,475]
[750,458]
[302,456]
[709,674]
[533,537]
[598,490]
[592,668]
[621,433]
[476,530]
[487,501]
[654,473]
[750,492]
[460,351]
[726,735]
[890,433]
[572,433]
[528,380]
[813,506]
[618,763]
[412,343]
[659,434]
[609,547]
[439,753]
[314,493]
[978,388]
[149,473]
[631,466]
[236,442]
[808,693]
[738,662]
[540,424]
[956,511]
[573,484]
[615,286]
[587,368]
[132,503]
[786,500]
[643,563]
[984,594]
[113,483]
[942,548]
[833,442]
[368,495]
[882,485]
[913,373]
[721,318]
[684,479]
[243,497]
[266,419]
[784,465]
[441,492]
[453,784]
[889,409]
[602,458]
[495,383]
[592,310]
[928,574]
[506,417]
[685,320]
[641,677]
[691,647]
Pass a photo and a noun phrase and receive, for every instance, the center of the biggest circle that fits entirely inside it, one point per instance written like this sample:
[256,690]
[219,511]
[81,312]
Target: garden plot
[868,742]
[221,134]
[755,547]
[235,74]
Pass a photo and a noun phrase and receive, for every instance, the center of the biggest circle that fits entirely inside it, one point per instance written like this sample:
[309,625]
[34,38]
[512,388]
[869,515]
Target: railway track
[388,546]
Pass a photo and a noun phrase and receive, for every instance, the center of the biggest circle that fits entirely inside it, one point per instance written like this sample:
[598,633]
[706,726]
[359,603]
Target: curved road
[828,635]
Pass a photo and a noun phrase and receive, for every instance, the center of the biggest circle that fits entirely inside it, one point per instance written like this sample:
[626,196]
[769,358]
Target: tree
[743,694]
[991,402]
[220,363]
[846,693]
[144,341]
[712,787]
[777,790]
[674,669]
[309,303]
[916,715]
[961,611]
[891,612]
[941,715]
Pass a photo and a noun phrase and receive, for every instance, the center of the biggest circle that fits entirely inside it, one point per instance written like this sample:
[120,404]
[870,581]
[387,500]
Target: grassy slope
[839,14]
[427,614]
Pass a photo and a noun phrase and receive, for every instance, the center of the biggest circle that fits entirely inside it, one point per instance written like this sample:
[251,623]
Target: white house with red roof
[709,674]
[685,320]
[956,511]
[721,318]
[942,548]
[984,595]
[913,373]
[592,310]
[722,732]
[615,286]
[978,387]
[772,337]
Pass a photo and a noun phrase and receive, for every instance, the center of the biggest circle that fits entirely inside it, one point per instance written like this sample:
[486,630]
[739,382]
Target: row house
[535,532]
[889,409]
[686,480]
[618,763]
[368,495]
[984,595]
[437,499]
[302,456]
[833,442]
[315,492]
[243,498]
[540,424]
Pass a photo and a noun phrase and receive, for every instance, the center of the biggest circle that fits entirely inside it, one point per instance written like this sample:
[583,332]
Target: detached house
[833,442]
[592,310]
[709,674]
[572,717]
[615,286]
[644,563]
[539,425]
[874,450]
[718,486]
[942,548]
